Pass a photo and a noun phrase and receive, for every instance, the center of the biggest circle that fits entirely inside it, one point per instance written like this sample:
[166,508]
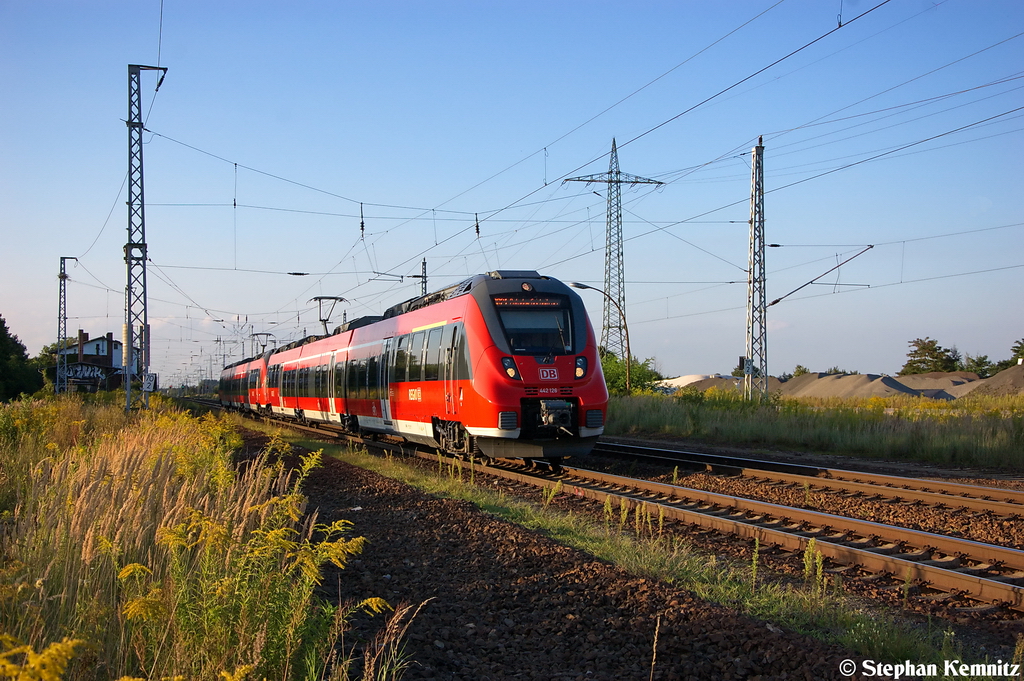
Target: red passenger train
[501,365]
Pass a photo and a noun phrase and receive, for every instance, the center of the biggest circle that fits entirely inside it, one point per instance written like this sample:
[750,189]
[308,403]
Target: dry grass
[975,431]
[136,542]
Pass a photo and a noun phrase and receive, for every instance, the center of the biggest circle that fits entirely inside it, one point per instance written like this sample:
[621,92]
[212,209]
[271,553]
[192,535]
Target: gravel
[508,603]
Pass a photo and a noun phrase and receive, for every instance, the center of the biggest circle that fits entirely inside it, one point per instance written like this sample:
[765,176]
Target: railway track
[1005,503]
[989,574]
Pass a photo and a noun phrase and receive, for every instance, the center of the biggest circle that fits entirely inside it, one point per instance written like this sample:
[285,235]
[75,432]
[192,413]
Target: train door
[387,360]
[340,383]
[452,369]
[332,406]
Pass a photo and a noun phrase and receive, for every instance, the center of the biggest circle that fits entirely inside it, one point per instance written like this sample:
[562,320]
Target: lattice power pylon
[612,323]
[61,385]
[755,370]
[136,313]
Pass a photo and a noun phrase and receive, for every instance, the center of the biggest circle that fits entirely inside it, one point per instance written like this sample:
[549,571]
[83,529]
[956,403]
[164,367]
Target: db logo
[548,374]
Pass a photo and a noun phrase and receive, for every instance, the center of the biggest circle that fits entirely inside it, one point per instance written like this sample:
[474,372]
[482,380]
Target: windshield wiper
[561,337]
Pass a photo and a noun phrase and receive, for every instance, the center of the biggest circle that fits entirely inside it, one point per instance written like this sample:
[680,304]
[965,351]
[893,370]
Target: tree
[1016,352]
[979,364]
[16,374]
[642,375]
[46,361]
[927,355]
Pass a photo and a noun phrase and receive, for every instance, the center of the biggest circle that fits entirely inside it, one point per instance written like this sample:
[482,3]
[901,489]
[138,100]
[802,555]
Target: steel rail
[1006,502]
[792,529]
[953,546]
[870,490]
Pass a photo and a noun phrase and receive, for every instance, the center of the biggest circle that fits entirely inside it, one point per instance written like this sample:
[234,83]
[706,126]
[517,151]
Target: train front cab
[538,369]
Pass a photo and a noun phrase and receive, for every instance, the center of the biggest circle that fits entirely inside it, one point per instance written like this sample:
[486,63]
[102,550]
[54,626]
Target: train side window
[460,350]
[399,370]
[430,360]
[372,377]
[361,377]
[415,357]
[353,376]
[339,377]
[350,374]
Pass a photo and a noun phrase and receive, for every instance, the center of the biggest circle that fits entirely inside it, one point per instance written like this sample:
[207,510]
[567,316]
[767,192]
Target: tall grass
[135,541]
[978,431]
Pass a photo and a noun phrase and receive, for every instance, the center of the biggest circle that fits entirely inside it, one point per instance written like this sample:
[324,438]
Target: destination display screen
[528,301]
[536,324]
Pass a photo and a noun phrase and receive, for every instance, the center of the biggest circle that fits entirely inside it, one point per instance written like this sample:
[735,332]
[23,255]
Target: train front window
[536,324]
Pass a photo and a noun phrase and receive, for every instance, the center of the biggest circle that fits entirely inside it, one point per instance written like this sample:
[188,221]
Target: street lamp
[625,329]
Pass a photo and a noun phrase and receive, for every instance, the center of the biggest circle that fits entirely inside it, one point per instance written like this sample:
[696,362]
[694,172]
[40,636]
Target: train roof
[417,303]
[357,323]
[456,290]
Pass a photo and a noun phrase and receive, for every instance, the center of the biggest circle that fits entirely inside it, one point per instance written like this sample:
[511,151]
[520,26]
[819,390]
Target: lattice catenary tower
[612,325]
[61,386]
[136,314]
[755,369]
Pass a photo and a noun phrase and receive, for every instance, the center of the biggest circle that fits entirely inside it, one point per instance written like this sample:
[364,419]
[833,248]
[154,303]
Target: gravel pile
[507,603]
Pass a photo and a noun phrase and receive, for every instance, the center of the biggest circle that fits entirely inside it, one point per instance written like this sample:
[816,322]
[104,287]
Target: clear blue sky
[431,113]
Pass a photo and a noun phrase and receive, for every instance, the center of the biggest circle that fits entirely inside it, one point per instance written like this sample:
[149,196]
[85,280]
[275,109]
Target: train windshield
[536,324]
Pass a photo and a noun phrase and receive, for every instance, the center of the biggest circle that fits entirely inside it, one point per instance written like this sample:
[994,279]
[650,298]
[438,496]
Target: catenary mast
[612,324]
[136,313]
[61,386]
[755,366]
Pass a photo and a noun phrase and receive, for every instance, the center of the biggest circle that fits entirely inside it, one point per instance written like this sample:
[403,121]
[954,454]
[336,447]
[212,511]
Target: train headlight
[509,365]
[581,367]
